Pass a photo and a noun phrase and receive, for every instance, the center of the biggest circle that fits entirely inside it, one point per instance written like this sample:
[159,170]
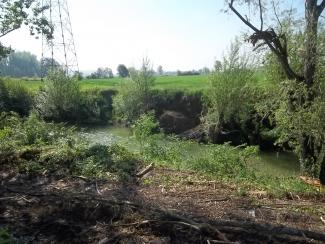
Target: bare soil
[164,206]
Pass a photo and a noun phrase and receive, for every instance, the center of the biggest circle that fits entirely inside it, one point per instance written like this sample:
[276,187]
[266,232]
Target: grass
[189,83]
[196,82]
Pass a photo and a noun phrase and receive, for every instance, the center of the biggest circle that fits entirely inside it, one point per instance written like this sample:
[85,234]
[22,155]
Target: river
[282,164]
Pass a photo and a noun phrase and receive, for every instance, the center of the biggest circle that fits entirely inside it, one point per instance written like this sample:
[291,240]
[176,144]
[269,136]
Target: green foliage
[20,100]
[33,146]
[297,116]
[15,13]
[122,70]
[143,128]
[226,161]
[20,64]
[133,98]
[230,98]
[14,96]
[6,237]
[60,99]
[4,96]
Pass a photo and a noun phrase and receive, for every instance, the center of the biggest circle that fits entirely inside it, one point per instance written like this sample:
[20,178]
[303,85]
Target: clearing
[163,206]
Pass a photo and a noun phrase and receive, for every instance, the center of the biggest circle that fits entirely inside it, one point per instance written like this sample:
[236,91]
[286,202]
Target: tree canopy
[15,13]
[304,98]
[20,64]
[122,70]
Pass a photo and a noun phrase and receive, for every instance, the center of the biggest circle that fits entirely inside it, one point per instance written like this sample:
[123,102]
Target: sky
[179,35]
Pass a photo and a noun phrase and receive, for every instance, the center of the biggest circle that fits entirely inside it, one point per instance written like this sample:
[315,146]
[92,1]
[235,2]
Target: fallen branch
[145,171]
[322,219]
[215,200]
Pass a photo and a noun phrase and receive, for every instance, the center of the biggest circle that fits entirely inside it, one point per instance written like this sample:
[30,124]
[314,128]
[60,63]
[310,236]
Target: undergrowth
[222,162]
[32,146]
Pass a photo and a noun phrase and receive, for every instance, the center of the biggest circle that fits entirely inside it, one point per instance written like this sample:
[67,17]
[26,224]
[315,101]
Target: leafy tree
[14,96]
[15,13]
[78,75]
[311,149]
[122,70]
[110,73]
[134,96]
[224,110]
[20,64]
[47,66]
[217,66]
[205,71]
[102,73]
[61,98]
[160,70]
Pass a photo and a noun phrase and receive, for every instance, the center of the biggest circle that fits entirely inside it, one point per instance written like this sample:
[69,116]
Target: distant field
[190,83]
[195,82]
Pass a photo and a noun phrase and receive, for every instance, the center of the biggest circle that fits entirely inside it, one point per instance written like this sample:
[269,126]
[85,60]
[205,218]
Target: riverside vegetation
[52,158]
[62,100]
[58,187]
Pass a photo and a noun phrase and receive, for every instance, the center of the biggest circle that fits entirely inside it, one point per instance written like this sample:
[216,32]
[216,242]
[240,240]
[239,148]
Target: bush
[60,100]
[14,96]
[229,102]
[143,129]
[33,146]
[96,107]
[134,95]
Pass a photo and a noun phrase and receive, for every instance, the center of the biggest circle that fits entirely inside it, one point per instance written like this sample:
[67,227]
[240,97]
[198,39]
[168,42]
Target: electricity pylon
[59,52]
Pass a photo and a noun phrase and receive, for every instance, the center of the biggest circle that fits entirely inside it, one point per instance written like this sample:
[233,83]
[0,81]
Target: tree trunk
[311,15]
[307,153]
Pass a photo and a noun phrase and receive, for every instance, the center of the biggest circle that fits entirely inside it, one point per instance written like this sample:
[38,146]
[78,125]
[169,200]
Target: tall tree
[265,35]
[160,70]
[15,13]
[122,70]
[19,64]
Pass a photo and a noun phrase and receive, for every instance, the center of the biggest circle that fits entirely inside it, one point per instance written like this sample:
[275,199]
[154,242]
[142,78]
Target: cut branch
[8,31]
[261,14]
[250,25]
[272,40]
[320,8]
[145,171]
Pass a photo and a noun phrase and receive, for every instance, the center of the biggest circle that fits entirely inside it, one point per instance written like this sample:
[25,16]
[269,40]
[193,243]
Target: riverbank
[57,187]
[272,163]
[163,206]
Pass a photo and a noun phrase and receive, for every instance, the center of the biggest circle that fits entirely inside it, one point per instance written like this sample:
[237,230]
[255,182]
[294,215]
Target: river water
[282,164]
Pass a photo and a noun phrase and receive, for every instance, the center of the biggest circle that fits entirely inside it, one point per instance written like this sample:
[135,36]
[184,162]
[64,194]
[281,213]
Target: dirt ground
[164,206]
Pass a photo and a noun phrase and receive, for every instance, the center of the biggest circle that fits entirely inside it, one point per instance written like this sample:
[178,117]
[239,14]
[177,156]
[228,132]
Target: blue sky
[176,34]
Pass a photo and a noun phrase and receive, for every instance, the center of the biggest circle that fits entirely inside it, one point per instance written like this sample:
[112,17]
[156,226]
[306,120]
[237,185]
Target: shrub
[134,94]
[60,100]
[143,129]
[33,146]
[229,102]
[14,96]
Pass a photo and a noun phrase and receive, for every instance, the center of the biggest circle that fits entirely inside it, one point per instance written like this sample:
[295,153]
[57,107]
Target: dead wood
[157,219]
[145,171]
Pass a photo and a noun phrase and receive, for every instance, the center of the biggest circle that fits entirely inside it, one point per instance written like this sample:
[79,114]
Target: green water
[281,164]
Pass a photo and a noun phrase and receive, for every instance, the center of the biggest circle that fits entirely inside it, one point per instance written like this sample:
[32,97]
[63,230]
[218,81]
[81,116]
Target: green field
[196,82]
[189,83]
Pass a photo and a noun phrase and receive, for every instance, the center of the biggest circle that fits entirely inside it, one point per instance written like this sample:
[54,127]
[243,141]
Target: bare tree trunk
[311,16]
[307,153]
